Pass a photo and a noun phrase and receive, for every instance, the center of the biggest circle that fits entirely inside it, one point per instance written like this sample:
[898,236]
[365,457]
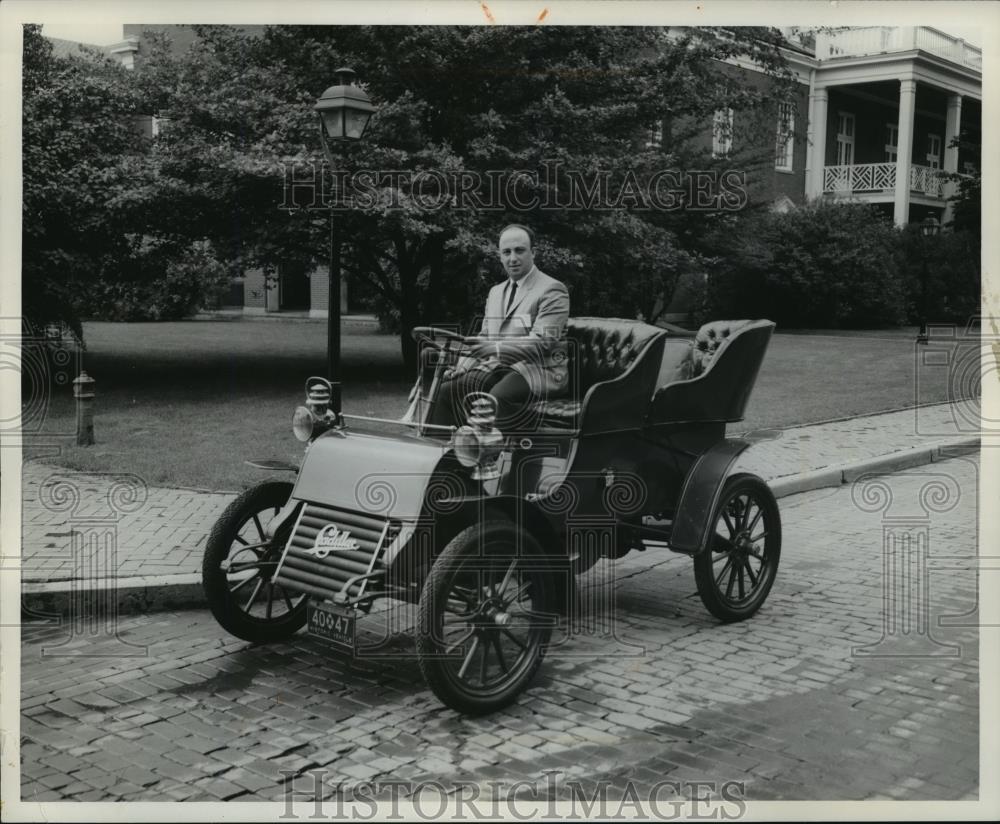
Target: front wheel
[485,617]
[239,565]
[735,571]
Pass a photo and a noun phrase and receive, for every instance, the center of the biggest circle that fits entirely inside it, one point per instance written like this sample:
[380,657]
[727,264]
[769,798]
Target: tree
[967,211]
[87,249]
[76,129]
[465,102]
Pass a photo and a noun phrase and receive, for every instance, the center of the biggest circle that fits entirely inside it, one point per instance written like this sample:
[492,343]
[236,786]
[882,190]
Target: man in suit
[521,356]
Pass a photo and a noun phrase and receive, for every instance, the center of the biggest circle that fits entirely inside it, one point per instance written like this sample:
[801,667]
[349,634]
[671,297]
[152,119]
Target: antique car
[485,531]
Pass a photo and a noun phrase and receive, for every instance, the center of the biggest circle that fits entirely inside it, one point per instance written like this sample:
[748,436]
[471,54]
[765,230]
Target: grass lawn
[183,404]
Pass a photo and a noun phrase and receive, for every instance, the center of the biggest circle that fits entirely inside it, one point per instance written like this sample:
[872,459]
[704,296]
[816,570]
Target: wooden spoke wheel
[485,617]
[239,564]
[735,571]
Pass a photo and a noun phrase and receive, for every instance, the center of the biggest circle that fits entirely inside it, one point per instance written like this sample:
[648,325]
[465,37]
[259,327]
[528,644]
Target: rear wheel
[485,617]
[735,571]
[239,564]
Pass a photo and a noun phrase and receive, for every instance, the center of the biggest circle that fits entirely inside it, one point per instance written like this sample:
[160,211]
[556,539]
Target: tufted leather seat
[715,385]
[600,349]
[708,340]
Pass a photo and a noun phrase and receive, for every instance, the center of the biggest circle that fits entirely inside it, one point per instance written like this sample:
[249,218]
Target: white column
[816,131]
[904,151]
[952,126]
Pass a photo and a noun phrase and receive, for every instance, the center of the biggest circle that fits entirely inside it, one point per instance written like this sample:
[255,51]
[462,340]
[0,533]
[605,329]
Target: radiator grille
[302,571]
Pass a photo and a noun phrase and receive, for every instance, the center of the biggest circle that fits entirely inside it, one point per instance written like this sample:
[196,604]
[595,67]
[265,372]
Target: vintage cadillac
[482,530]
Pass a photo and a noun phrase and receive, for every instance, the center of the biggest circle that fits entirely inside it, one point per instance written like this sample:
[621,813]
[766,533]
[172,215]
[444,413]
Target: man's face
[515,253]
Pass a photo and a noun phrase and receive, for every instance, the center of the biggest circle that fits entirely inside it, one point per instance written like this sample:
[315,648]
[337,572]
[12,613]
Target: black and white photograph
[499,410]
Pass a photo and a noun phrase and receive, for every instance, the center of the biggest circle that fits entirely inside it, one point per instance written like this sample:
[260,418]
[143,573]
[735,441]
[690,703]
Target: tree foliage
[76,130]
[88,250]
[967,213]
[826,265]
[453,100]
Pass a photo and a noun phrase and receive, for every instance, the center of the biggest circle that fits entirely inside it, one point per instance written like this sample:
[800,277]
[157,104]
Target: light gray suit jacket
[536,325]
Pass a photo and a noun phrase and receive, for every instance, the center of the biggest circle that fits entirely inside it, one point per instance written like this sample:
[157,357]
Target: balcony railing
[856,42]
[876,178]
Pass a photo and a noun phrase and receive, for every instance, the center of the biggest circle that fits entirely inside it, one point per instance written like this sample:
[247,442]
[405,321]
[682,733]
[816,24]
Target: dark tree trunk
[435,282]
[407,320]
[409,308]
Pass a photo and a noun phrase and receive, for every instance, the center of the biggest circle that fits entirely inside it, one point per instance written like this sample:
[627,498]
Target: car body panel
[384,475]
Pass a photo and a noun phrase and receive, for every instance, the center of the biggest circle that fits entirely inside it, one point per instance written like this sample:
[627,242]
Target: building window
[722,133]
[934,151]
[654,135]
[891,142]
[784,146]
[845,139]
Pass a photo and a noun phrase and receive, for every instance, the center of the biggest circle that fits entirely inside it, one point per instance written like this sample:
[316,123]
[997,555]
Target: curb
[837,475]
[124,596]
[140,595]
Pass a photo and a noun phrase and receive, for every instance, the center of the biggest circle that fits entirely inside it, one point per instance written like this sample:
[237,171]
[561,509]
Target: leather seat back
[725,359]
[710,338]
[601,349]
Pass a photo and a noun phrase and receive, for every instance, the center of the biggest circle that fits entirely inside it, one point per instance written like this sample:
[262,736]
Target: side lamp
[479,443]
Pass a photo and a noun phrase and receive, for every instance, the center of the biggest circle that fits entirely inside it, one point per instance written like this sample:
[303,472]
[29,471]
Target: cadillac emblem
[331,539]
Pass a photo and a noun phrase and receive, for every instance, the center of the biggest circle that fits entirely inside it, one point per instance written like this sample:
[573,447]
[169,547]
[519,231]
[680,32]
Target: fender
[469,509]
[289,510]
[273,465]
[700,495]
[519,509]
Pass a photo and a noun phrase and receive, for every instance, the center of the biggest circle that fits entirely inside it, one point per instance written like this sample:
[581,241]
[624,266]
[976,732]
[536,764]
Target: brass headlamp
[316,416]
[479,443]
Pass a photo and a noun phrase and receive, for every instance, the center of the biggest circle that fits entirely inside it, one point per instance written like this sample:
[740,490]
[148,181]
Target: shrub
[824,265]
[953,268]
[157,282]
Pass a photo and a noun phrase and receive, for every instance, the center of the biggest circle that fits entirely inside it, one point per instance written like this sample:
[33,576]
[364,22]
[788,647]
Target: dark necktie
[510,299]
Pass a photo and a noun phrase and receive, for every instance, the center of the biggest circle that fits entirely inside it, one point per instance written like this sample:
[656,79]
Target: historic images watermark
[43,360]
[311,185]
[323,794]
[92,528]
[955,363]
[911,625]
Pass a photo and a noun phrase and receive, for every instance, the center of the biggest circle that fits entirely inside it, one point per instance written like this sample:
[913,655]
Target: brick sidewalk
[846,685]
[162,532]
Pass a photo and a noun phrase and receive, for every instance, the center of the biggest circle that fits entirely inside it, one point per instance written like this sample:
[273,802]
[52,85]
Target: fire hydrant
[83,392]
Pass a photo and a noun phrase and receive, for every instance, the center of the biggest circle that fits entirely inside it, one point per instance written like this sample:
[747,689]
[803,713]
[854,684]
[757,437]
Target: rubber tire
[263,497]
[436,586]
[704,572]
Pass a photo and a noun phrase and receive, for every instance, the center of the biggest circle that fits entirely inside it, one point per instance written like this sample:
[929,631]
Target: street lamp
[929,227]
[344,111]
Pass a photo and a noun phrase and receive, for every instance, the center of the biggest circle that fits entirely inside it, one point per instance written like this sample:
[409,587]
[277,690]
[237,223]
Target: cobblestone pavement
[162,532]
[842,687]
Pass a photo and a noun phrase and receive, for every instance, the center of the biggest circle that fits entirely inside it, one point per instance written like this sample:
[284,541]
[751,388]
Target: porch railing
[870,178]
[855,42]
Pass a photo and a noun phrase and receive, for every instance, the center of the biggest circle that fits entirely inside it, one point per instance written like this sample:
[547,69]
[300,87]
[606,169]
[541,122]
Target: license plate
[333,622]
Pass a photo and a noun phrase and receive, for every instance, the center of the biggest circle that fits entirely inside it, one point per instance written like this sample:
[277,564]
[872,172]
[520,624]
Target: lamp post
[344,111]
[928,228]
